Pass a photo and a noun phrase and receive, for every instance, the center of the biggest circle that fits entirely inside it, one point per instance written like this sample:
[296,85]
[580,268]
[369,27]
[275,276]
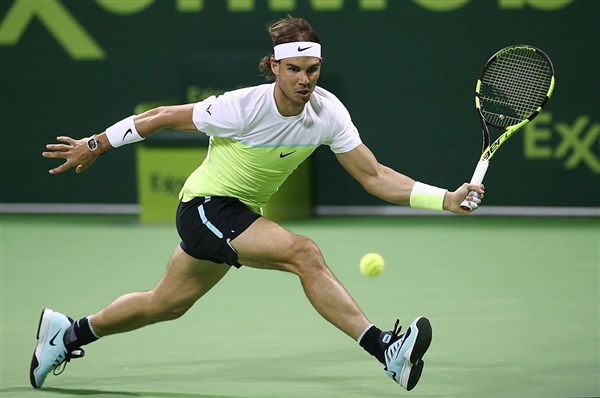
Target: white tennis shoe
[404,357]
[50,351]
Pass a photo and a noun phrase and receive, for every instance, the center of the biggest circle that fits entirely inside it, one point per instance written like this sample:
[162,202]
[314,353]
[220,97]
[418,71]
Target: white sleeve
[346,141]
[219,116]
[345,137]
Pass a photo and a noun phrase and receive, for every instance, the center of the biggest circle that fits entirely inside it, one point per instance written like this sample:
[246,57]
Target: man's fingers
[475,199]
[58,170]
[62,168]
[53,154]
[66,139]
[479,189]
[75,155]
[58,147]
[58,150]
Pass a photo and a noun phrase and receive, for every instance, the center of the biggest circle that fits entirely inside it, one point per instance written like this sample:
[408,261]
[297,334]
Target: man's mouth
[303,93]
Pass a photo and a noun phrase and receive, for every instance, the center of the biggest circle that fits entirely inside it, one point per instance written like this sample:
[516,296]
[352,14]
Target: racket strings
[525,80]
[520,76]
[516,88]
[514,85]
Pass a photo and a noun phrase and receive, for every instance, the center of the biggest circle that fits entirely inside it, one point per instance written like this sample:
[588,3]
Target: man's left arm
[394,187]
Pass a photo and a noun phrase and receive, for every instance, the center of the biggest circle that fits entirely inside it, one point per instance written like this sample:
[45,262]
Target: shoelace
[397,329]
[60,367]
[75,353]
[394,334]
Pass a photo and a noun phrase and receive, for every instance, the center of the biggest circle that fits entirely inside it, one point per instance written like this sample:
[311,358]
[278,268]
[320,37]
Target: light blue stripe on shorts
[205,221]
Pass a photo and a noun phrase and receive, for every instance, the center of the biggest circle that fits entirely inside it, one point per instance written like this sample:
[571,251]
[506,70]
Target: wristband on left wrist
[427,197]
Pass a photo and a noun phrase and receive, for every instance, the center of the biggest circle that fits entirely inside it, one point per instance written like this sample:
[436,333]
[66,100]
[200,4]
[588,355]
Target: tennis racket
[511,91]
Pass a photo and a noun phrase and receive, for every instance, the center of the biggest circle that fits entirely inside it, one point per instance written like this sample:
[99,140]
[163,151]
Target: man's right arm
[178,117]
[78,155]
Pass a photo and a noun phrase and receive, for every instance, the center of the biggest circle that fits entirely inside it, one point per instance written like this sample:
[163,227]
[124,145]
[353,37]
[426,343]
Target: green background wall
[405,69]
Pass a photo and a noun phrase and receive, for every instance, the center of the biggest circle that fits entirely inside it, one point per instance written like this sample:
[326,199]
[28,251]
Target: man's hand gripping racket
[511,91]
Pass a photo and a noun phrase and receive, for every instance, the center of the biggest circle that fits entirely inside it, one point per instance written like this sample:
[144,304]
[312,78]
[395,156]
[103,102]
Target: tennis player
[258,137]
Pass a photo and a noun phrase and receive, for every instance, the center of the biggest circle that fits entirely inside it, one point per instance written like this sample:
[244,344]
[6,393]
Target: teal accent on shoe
[50,350]
[403,358]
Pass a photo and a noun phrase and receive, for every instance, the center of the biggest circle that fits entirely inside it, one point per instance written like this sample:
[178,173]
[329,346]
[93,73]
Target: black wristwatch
[93,144]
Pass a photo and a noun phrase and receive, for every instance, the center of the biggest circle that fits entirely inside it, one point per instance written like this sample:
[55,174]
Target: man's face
[296,80]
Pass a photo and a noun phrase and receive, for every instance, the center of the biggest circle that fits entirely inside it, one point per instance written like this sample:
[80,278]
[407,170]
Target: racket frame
[489,149]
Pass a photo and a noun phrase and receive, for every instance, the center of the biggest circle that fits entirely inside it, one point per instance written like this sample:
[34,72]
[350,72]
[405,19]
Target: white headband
[297,49]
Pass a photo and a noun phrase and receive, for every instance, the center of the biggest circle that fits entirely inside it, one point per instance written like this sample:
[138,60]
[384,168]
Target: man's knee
[168,311]
[306,256]
[175,312]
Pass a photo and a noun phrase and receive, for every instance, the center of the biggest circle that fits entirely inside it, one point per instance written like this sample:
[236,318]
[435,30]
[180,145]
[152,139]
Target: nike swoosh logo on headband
[303,49]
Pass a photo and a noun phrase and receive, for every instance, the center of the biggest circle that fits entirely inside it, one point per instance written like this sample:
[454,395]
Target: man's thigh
[266,244]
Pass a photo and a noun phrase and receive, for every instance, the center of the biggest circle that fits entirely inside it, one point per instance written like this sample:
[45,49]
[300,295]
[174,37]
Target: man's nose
[304,80]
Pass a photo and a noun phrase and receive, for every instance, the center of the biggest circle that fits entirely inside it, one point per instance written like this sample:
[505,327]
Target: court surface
[514,304]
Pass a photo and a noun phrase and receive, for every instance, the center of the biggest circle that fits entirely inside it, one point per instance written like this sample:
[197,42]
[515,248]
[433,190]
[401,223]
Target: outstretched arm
[392,186]
[78,155]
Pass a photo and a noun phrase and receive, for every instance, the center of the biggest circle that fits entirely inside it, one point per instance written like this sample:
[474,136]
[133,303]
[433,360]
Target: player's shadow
[107,393]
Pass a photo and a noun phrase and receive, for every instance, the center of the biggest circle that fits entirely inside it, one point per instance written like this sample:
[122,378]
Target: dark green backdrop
[405,69]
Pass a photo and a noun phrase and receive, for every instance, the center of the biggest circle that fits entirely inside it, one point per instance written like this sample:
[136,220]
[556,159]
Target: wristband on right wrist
[123,132]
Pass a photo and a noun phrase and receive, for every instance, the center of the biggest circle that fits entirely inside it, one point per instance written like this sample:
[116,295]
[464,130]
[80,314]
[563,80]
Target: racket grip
[477,178]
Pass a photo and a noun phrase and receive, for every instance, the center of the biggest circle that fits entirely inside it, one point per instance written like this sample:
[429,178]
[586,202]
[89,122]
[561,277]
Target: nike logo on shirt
[282,155]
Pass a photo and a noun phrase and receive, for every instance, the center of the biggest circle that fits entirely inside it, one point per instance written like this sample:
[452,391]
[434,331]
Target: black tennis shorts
[208,224]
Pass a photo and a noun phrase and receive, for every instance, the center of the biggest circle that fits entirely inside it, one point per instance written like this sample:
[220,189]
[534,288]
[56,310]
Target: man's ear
[274,67]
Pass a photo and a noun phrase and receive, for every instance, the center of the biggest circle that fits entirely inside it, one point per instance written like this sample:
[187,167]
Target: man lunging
[219,216]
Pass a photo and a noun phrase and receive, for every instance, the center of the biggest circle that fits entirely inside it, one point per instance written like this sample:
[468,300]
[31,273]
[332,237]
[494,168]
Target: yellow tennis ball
[371,264]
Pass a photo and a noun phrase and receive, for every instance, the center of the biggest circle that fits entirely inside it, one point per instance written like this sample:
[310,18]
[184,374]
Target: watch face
[92,144]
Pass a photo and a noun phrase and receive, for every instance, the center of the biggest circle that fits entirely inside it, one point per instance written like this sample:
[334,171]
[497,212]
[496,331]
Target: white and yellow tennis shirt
[253,149]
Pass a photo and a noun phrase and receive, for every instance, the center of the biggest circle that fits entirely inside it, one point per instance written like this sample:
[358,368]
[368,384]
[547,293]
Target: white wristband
[428,197]
[122,133]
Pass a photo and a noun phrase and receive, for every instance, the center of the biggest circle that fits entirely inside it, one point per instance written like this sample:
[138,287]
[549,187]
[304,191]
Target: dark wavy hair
[286,30]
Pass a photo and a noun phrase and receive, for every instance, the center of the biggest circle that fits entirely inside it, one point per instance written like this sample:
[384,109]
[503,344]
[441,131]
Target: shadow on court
[77,392]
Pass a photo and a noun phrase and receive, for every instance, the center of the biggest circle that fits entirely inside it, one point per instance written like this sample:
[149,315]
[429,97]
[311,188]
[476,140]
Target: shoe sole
[41,335]
[415,354]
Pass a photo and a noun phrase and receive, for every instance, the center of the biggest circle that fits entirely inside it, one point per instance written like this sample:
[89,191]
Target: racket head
[514,86]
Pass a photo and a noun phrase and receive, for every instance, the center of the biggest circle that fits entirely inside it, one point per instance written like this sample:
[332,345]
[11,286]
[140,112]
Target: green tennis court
[514,304]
